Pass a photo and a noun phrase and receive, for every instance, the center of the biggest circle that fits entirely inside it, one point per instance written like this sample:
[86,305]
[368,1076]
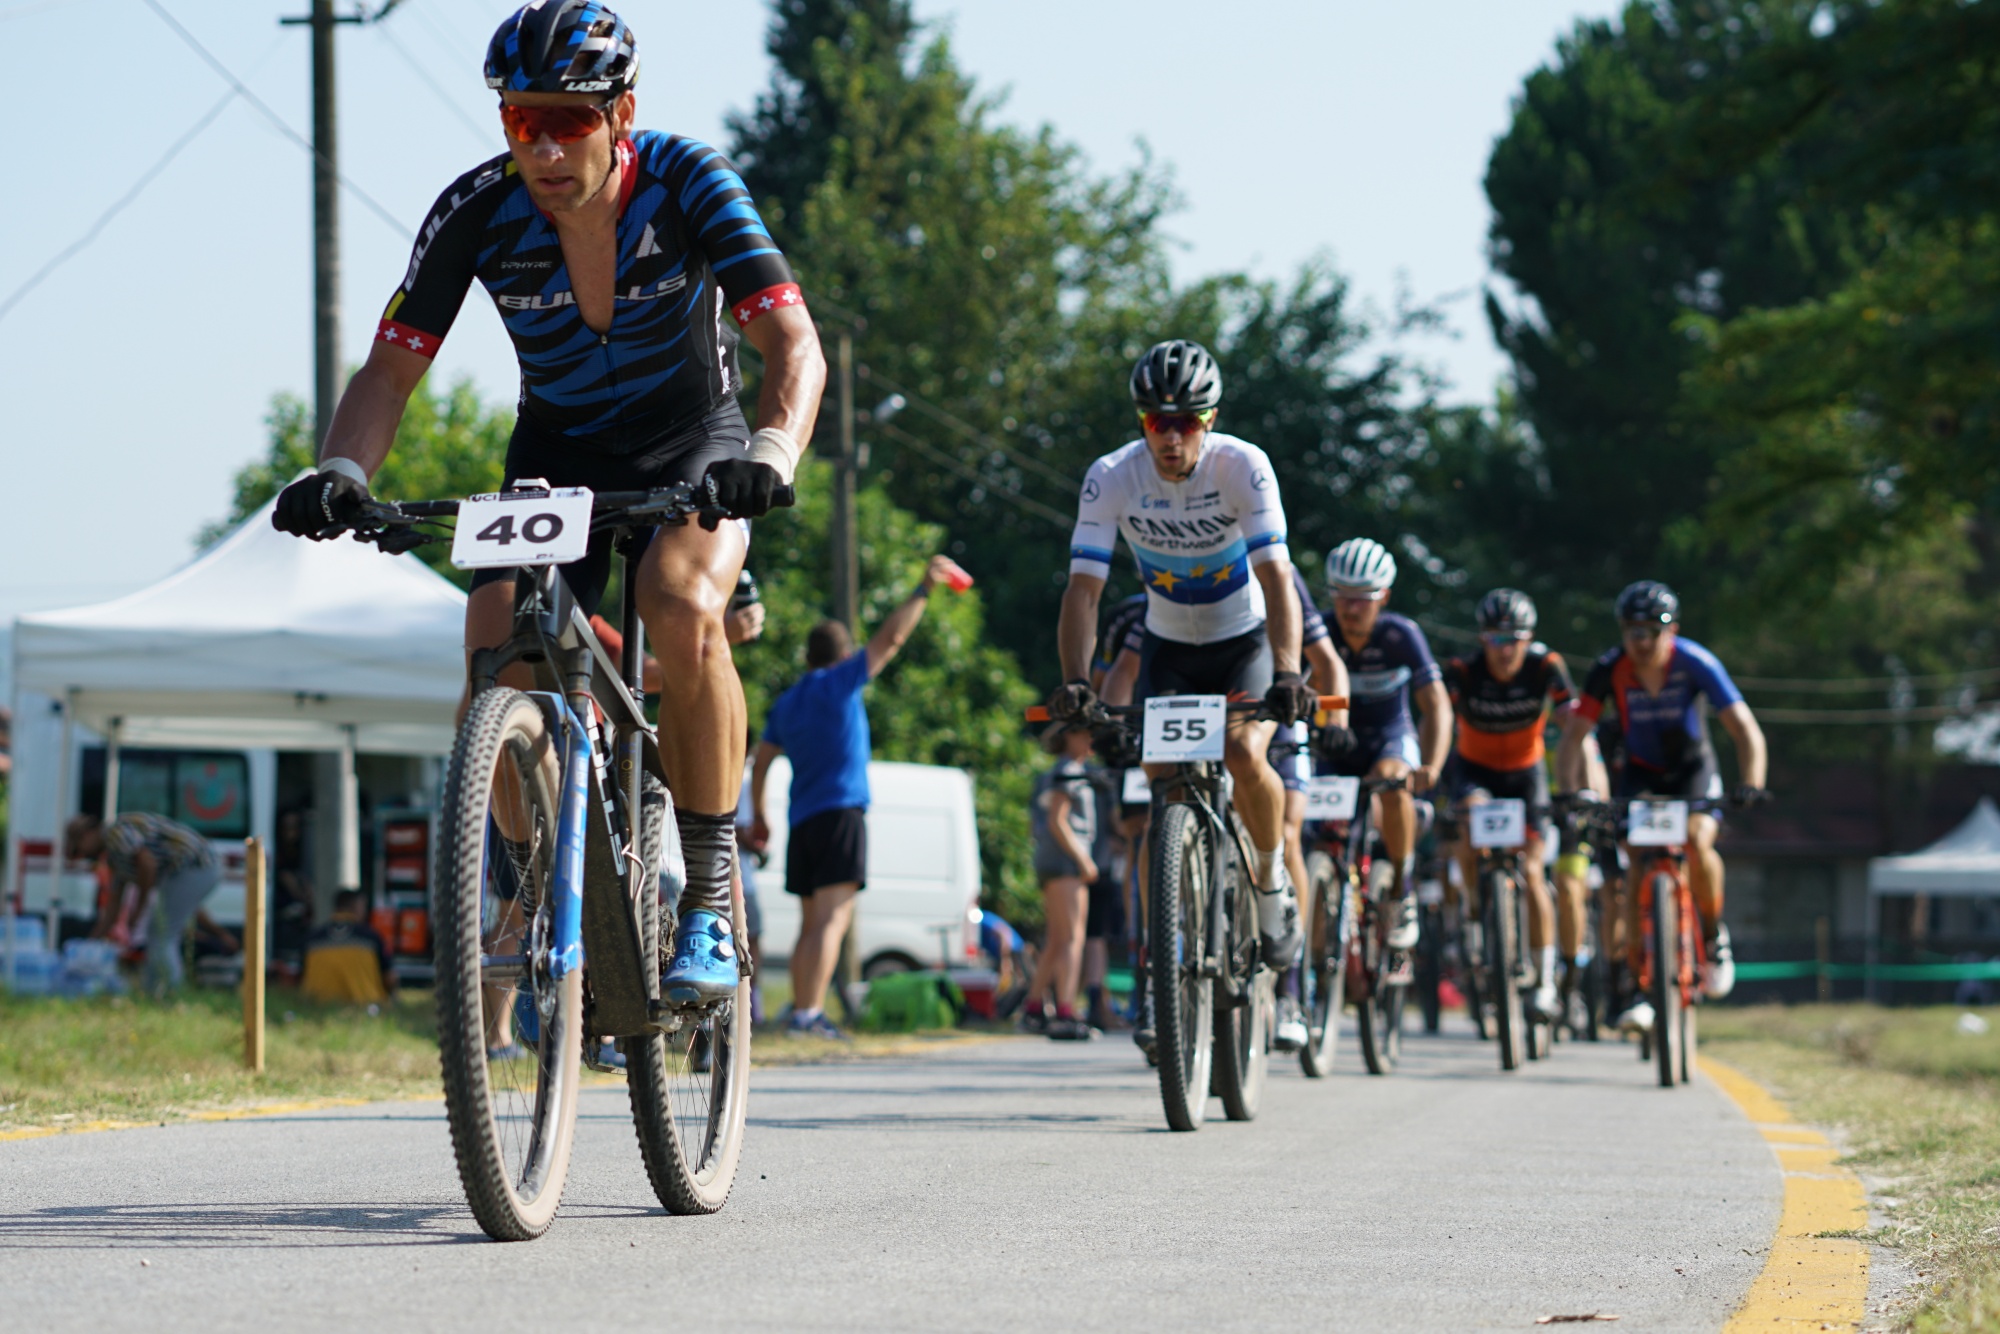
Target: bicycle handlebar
[392,524]
[1102,713]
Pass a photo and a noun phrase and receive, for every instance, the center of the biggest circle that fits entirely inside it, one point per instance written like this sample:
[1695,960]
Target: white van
[921,904]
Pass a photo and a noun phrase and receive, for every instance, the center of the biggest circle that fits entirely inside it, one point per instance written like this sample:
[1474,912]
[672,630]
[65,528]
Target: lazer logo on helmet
[587,86]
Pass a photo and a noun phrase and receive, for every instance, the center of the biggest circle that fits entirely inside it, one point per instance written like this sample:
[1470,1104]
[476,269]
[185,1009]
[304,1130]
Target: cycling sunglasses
[1166,423]
[1502,638]
[565,125]
[1643,632]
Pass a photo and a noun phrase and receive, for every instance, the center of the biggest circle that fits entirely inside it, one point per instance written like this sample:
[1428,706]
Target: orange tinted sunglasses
[565,125]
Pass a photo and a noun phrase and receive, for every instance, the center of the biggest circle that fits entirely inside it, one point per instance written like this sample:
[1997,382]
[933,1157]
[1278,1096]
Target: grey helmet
[1176,376]
[1648,602]
[1360,565]
[1507,611]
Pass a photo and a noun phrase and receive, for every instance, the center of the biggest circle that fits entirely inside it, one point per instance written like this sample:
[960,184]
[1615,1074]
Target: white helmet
[1359,565]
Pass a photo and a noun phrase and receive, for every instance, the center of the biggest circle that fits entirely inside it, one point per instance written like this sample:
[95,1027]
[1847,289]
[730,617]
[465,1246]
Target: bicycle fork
[566,945]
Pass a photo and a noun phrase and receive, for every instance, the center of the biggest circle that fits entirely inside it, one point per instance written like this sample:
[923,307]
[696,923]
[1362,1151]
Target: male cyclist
[618,259]
[1656,680]
[1502,696]
[1389,664]
[1200,511]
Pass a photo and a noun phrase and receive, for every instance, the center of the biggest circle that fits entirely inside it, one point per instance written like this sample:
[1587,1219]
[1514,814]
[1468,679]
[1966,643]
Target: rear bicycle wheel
[509,1035]
[1183,999]
[690,1088]
[1666,997]
[1378,1015]
[1242,1028]
[1327,932]
[1503,961]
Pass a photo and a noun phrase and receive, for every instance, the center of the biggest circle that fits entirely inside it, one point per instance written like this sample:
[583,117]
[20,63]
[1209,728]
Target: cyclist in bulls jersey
[619,259]
[1656,680]
[1502,697]
[1389,665]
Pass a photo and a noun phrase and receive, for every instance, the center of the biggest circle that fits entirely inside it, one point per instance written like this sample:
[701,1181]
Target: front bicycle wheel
[1666,997]
[1327,930]
[690,1087]
[1242,1028]
[509,1035]
[1183,998]
[1378,1015]
[1503,961]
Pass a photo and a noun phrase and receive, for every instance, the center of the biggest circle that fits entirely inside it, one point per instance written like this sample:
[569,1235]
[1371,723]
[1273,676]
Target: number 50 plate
[551,528]
[1184,727]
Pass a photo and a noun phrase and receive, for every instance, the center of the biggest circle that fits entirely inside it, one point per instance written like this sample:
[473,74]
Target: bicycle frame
[1672,863]
[1211,794]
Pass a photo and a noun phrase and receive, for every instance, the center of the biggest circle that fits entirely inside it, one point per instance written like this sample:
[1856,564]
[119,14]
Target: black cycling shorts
[682,454]
[1530,785]
[830,848]
[1240,667]
[1699,778]
[1104,916]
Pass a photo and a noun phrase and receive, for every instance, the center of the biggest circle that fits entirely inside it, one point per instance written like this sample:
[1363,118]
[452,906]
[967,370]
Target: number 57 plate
[1181,728]
[536,528]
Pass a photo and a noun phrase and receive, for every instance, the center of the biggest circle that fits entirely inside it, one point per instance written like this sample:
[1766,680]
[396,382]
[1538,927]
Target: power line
[34,7]
[208,119]
[1859,684]
[1034,507]
[966,428]
[243,91]
[483,135]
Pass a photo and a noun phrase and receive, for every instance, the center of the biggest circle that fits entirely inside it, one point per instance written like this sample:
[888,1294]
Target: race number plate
[549,529]
[1137,791]
[1657,824]
[1500,823]
[1331,798]
[1184,727]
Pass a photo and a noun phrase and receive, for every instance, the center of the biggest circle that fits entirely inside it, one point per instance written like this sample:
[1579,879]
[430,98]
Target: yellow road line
[213,1114]
[1810,1281]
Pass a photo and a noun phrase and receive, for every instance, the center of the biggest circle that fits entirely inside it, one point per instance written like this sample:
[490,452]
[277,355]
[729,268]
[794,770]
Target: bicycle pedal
[1401,973]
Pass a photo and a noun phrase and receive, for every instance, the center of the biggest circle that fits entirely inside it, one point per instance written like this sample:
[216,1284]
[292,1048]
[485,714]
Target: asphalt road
[1004,1186]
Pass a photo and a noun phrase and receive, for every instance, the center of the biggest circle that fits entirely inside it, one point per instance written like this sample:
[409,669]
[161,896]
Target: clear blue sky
[137,375]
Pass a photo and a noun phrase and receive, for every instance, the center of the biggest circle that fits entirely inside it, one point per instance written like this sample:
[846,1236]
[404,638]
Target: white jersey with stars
[1195,540]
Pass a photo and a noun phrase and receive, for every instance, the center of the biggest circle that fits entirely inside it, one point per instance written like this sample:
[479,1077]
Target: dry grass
[1916,1103]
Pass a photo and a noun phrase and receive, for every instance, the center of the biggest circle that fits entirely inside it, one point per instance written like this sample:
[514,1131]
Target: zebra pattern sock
[708,846]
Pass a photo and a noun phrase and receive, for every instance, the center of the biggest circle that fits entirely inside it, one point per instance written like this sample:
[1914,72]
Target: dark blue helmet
[562,46]
[1650,602]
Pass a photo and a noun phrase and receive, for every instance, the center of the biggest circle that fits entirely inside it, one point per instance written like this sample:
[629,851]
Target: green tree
[449,444]
[951,697]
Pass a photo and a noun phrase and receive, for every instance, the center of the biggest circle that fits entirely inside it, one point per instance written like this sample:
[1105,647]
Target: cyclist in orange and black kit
[1502,697]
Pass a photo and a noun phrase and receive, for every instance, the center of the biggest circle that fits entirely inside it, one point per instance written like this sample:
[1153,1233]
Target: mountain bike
[1590,829]
[1348,958]
[1213,998]
[1672,951]
[1498,829]
[551,932]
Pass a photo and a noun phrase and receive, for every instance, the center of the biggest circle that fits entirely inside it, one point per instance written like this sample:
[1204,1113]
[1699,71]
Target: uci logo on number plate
[1500,823]
[1182,728]
[1658,824]
[516,529]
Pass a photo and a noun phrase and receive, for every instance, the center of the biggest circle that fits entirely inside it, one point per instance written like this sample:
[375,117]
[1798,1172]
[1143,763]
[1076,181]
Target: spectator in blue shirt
[821,724]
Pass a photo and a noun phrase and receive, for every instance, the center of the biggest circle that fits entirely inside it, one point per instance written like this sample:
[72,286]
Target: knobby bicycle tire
[1183,1000]
[1378,1012]
[1666,998]
[1503,952]
[1320,980]
[691,1121]
[1243,1029]
[512,1169]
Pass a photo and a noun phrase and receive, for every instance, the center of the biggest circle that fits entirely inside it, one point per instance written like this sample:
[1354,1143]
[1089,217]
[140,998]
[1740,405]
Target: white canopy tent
[263,642]
[1963,864]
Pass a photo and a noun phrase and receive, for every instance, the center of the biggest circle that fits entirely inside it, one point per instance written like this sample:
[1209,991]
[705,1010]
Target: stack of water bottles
[82,968]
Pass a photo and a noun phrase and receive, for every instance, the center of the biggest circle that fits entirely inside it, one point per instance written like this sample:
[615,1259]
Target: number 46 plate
[1184,727]
[547,528]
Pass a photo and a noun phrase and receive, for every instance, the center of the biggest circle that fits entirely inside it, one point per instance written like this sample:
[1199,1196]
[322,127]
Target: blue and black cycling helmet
[562,46]
[1648,602]
[1176,376]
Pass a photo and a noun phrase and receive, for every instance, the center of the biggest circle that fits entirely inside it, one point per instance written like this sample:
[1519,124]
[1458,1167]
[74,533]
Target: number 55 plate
[1182,728]
[536,528]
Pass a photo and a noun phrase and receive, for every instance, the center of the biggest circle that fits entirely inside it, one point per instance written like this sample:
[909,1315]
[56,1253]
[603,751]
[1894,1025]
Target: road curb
[1811,1280]
[250,1112]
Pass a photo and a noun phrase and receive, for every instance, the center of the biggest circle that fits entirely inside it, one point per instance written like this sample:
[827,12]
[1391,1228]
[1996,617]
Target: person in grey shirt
[1063,818]
[172,866]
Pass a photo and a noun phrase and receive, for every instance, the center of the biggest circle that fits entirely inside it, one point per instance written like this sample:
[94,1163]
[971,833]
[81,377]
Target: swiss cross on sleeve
[762,303]
[416,340]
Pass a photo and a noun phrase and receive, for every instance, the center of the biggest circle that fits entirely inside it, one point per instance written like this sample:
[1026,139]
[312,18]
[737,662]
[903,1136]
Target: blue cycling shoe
[704,967]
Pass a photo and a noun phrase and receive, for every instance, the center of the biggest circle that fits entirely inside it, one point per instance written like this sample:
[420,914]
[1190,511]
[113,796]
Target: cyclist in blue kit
[1389,667]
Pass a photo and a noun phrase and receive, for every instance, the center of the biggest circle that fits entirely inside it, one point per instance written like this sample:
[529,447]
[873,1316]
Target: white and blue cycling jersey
[1195,540]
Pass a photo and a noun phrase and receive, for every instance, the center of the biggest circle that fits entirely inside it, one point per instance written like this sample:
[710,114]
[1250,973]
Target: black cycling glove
[1290,698]
[741,488]
[1333,743]
[1072,702]
[1746,796]
[319,506]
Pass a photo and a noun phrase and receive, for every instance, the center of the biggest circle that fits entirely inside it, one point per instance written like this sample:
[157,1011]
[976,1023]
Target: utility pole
[846,542]
[326,214]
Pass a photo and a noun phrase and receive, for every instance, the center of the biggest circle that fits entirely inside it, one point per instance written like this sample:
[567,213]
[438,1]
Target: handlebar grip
[784,497]
[1038,714]
[1332,702]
